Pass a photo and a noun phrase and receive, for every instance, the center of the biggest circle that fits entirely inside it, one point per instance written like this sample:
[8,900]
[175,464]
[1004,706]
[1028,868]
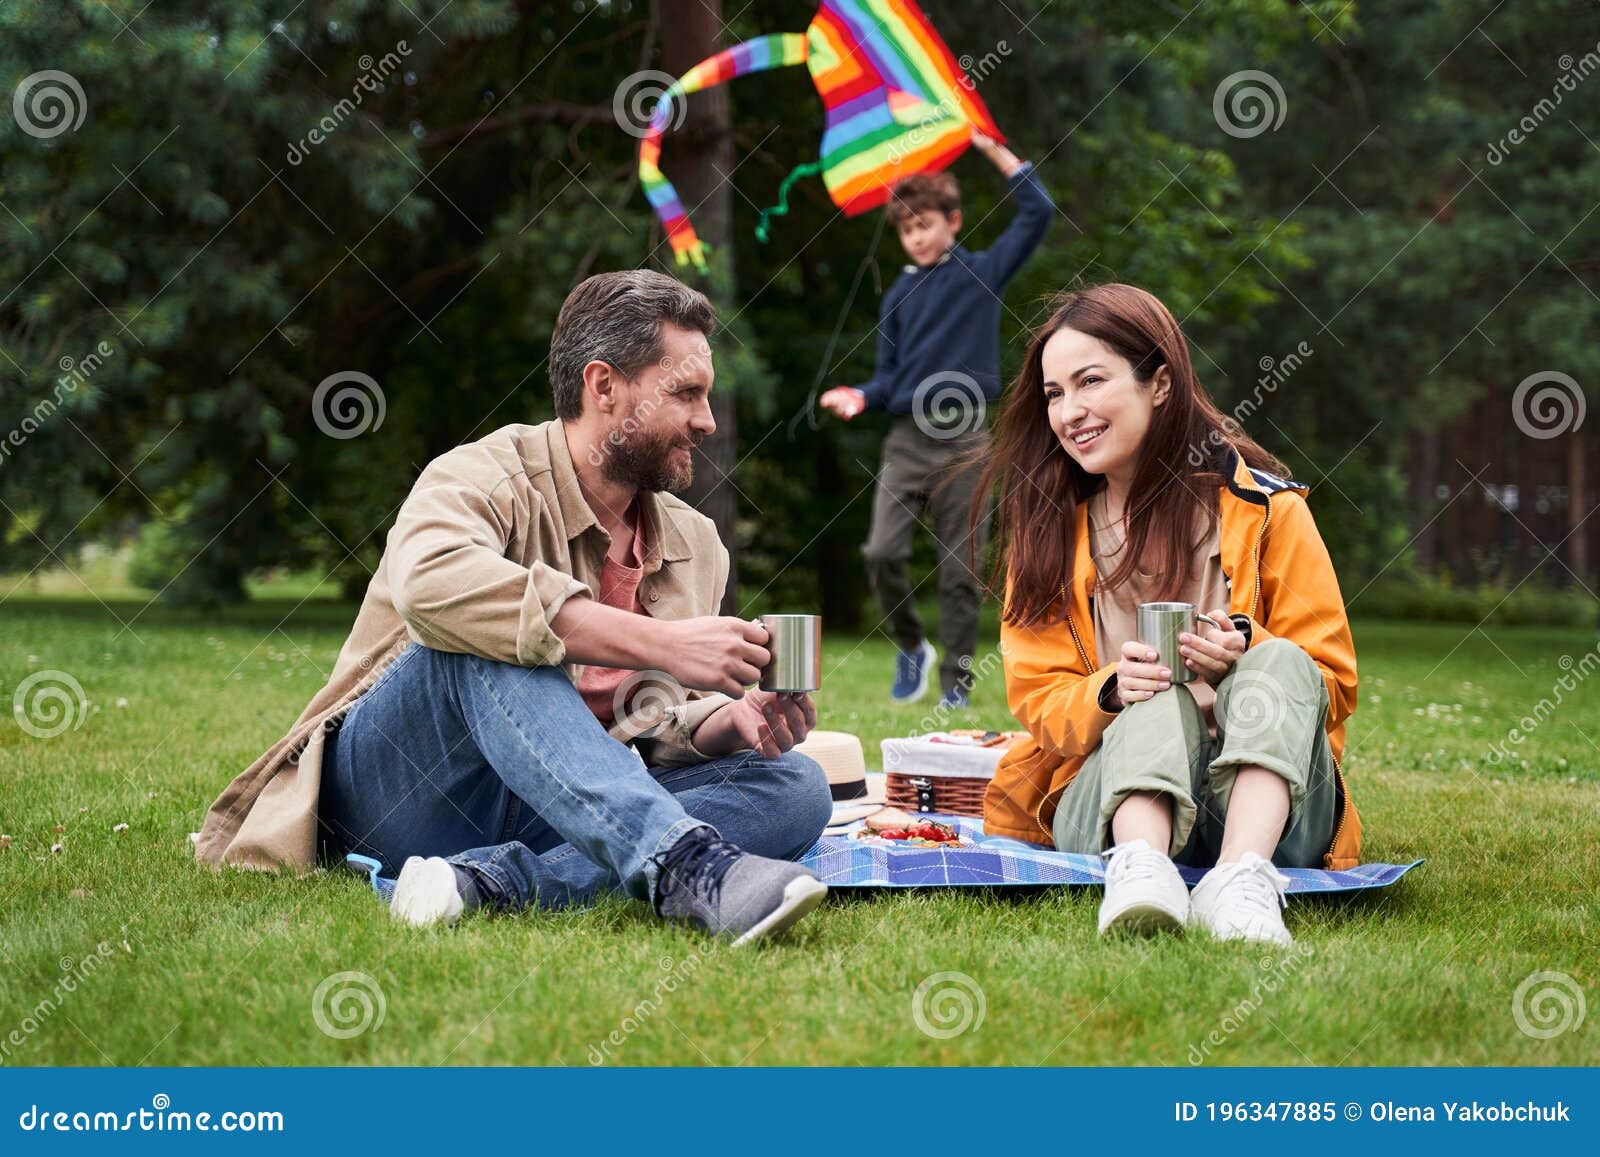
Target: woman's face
[1096,407]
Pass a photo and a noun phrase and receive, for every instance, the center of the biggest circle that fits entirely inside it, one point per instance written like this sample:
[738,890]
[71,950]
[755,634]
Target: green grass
[186,966]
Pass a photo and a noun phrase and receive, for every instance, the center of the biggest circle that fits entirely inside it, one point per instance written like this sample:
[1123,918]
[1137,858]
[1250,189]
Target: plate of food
[893,827]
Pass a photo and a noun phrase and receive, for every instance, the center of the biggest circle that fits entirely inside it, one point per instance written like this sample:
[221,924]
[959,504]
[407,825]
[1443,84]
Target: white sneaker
[1144,892]
[1242,901]
[426,893]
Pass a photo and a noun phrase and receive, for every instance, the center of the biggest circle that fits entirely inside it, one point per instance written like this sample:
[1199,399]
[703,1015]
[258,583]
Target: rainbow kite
[896,104]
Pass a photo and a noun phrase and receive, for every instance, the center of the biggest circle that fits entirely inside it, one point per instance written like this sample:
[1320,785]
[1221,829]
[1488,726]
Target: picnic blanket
[987,861]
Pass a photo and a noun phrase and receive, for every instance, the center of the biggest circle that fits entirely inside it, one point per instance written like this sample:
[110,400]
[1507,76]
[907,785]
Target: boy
[938,365]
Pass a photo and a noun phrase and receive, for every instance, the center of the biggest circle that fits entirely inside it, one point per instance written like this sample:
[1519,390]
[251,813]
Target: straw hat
[855,794]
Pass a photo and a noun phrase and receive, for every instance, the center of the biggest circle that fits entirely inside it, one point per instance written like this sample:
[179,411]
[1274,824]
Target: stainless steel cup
[1160,624]
[796,645]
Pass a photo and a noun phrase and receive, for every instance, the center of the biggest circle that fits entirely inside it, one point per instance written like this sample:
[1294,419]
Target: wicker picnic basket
[944,771]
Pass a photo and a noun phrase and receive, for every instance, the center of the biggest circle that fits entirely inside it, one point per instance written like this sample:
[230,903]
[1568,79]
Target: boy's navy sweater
[945,319]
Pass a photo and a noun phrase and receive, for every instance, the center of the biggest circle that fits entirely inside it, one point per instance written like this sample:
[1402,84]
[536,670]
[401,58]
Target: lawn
[117,949]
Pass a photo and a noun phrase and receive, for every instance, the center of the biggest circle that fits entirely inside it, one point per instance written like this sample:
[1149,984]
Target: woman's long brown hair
[1181,463]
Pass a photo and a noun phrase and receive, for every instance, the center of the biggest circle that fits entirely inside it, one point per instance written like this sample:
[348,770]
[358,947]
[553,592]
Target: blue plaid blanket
[988,861]
[842,862]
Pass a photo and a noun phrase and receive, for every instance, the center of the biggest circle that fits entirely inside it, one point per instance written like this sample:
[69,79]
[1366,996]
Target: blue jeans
[504,771]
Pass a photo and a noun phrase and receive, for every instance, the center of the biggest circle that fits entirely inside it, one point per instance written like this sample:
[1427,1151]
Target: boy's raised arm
[1032,219]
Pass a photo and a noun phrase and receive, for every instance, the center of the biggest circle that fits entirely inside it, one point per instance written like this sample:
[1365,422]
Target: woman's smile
[1088,436]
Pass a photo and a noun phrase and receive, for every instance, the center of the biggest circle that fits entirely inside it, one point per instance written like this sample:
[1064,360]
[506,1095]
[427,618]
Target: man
[938,366]
[538,701]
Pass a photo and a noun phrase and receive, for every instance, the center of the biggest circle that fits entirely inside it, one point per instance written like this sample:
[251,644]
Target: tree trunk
[698,159]
[1577,507]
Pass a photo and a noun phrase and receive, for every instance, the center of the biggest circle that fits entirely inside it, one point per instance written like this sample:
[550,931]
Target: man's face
[661,415]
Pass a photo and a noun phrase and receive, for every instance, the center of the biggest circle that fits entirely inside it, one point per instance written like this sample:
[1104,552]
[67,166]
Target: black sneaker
[709,882]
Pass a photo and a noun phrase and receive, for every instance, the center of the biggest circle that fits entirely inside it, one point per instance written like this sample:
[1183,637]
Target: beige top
[493,539]
[1116,611]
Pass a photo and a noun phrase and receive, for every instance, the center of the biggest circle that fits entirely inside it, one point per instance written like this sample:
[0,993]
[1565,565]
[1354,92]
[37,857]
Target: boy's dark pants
[920,473]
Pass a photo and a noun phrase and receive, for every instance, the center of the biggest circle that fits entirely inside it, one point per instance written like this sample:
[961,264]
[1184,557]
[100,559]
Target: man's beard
[643,460]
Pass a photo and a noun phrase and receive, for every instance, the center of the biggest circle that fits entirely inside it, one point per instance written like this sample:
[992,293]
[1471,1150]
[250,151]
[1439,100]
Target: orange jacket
[1280,577]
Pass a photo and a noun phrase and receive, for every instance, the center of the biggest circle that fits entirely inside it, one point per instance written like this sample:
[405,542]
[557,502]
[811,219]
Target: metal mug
[796,645]
[1160,624]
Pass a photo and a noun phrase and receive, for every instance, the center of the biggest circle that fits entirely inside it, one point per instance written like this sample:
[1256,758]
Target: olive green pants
[1270,712]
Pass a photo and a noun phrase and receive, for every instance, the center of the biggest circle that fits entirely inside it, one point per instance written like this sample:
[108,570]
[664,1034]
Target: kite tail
[776,51]
[809,169]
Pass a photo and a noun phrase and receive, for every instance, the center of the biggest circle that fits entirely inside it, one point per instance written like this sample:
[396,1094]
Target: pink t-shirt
[619,587]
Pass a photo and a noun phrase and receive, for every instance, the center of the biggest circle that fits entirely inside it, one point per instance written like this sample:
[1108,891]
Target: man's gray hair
[616,318]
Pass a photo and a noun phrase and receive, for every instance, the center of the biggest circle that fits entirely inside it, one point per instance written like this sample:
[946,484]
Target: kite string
[808,412]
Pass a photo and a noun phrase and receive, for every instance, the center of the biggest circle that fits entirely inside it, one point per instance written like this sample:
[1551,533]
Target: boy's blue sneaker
[911,671]
[954,699]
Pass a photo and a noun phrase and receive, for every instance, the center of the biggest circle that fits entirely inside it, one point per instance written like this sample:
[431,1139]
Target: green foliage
[1438,598]
[255,201]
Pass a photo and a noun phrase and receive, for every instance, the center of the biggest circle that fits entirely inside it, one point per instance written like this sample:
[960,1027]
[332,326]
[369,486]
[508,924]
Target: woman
[1122,483]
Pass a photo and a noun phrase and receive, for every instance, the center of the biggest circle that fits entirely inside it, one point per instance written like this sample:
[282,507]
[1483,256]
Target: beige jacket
[494,538]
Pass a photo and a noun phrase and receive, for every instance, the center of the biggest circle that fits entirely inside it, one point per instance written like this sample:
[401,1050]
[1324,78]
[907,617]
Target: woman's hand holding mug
[1212,653]
[1140,673]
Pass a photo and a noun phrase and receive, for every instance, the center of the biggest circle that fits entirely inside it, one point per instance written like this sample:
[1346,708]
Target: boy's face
[927,236]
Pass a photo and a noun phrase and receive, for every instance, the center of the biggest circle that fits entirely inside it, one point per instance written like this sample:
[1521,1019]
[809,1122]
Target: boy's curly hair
[923,193]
